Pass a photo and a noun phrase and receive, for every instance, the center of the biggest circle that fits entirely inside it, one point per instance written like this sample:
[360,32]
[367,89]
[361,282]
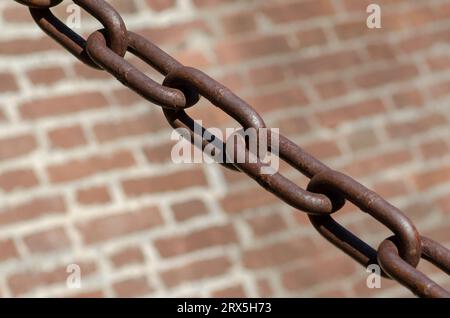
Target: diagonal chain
[327,190]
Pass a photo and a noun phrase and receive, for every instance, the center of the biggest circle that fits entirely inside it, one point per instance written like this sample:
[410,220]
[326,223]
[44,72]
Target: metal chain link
[327,191]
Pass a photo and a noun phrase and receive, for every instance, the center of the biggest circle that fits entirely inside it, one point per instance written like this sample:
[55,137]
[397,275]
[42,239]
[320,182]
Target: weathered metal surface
[327,191]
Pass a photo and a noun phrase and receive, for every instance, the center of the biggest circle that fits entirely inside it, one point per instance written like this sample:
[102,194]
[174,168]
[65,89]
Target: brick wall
[85,169]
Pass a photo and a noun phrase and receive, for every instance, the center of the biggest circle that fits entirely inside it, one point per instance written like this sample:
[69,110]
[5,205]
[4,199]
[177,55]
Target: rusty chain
[327,191]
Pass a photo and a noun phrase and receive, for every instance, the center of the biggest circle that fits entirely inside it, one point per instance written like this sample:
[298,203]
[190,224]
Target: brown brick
[316,272]
[345,113]
[298,10]
[171,182]
[67,137]
[33,209]
[431,178]
[391,188]
[160,5]
[362,139]
[178,244]
[376,163]
[267,224]
[8,250]
[416,126]
[184,211]
[16,146]
[26,281]
[117,225]
[280,99]
[21,46]
[328,62]
[141,125]
[312,37]
[127,256]
[279,253]
[18,179]
[47,241]
[268,74]
[408,98]
[236,291]
[331,88]
[323,149]
[46,76]
[7,83]
[240,22]
[160,153]
[231,51]
[133,287]
[93,195]
[83,168]
[62,105]
[196,270]
[397,73]
[247,199]
[434,148]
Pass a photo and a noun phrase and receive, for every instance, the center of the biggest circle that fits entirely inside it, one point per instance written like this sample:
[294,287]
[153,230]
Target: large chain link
[327,191]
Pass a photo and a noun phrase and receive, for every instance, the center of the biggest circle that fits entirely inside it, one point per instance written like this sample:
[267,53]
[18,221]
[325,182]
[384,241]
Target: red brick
[328,62]
[171,182]
[376,163]
[279,253]
[434,149]
[187,210]
[83,168]
[417,126]
[317,272]
[298,10]
[247,199]
[196,270]
[323,149]
[345,113]
[7,83]
[160,5]
[127,256]
[133,287]
[175,33]
[280,99]
[312,37]
[93,195]
[174,245]
[21,46]
[16,146]
[62,105]
[240,22]
[18,179]
[160,153]
[8,250]
[141,125]
[267,224]
[236,291]
[408,98]
[362,139]
[67,137]
[26,281]
[33,209]
[47,241]
[46,76]
[117,225]
[397,73]
[391,188]
[433,177]
[332,88]
[261,46]
[268,74]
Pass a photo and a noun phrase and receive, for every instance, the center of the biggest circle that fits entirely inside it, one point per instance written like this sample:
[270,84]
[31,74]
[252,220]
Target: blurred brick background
[85,170]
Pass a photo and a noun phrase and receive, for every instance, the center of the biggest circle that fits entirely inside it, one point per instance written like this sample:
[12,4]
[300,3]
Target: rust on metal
[328,190]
